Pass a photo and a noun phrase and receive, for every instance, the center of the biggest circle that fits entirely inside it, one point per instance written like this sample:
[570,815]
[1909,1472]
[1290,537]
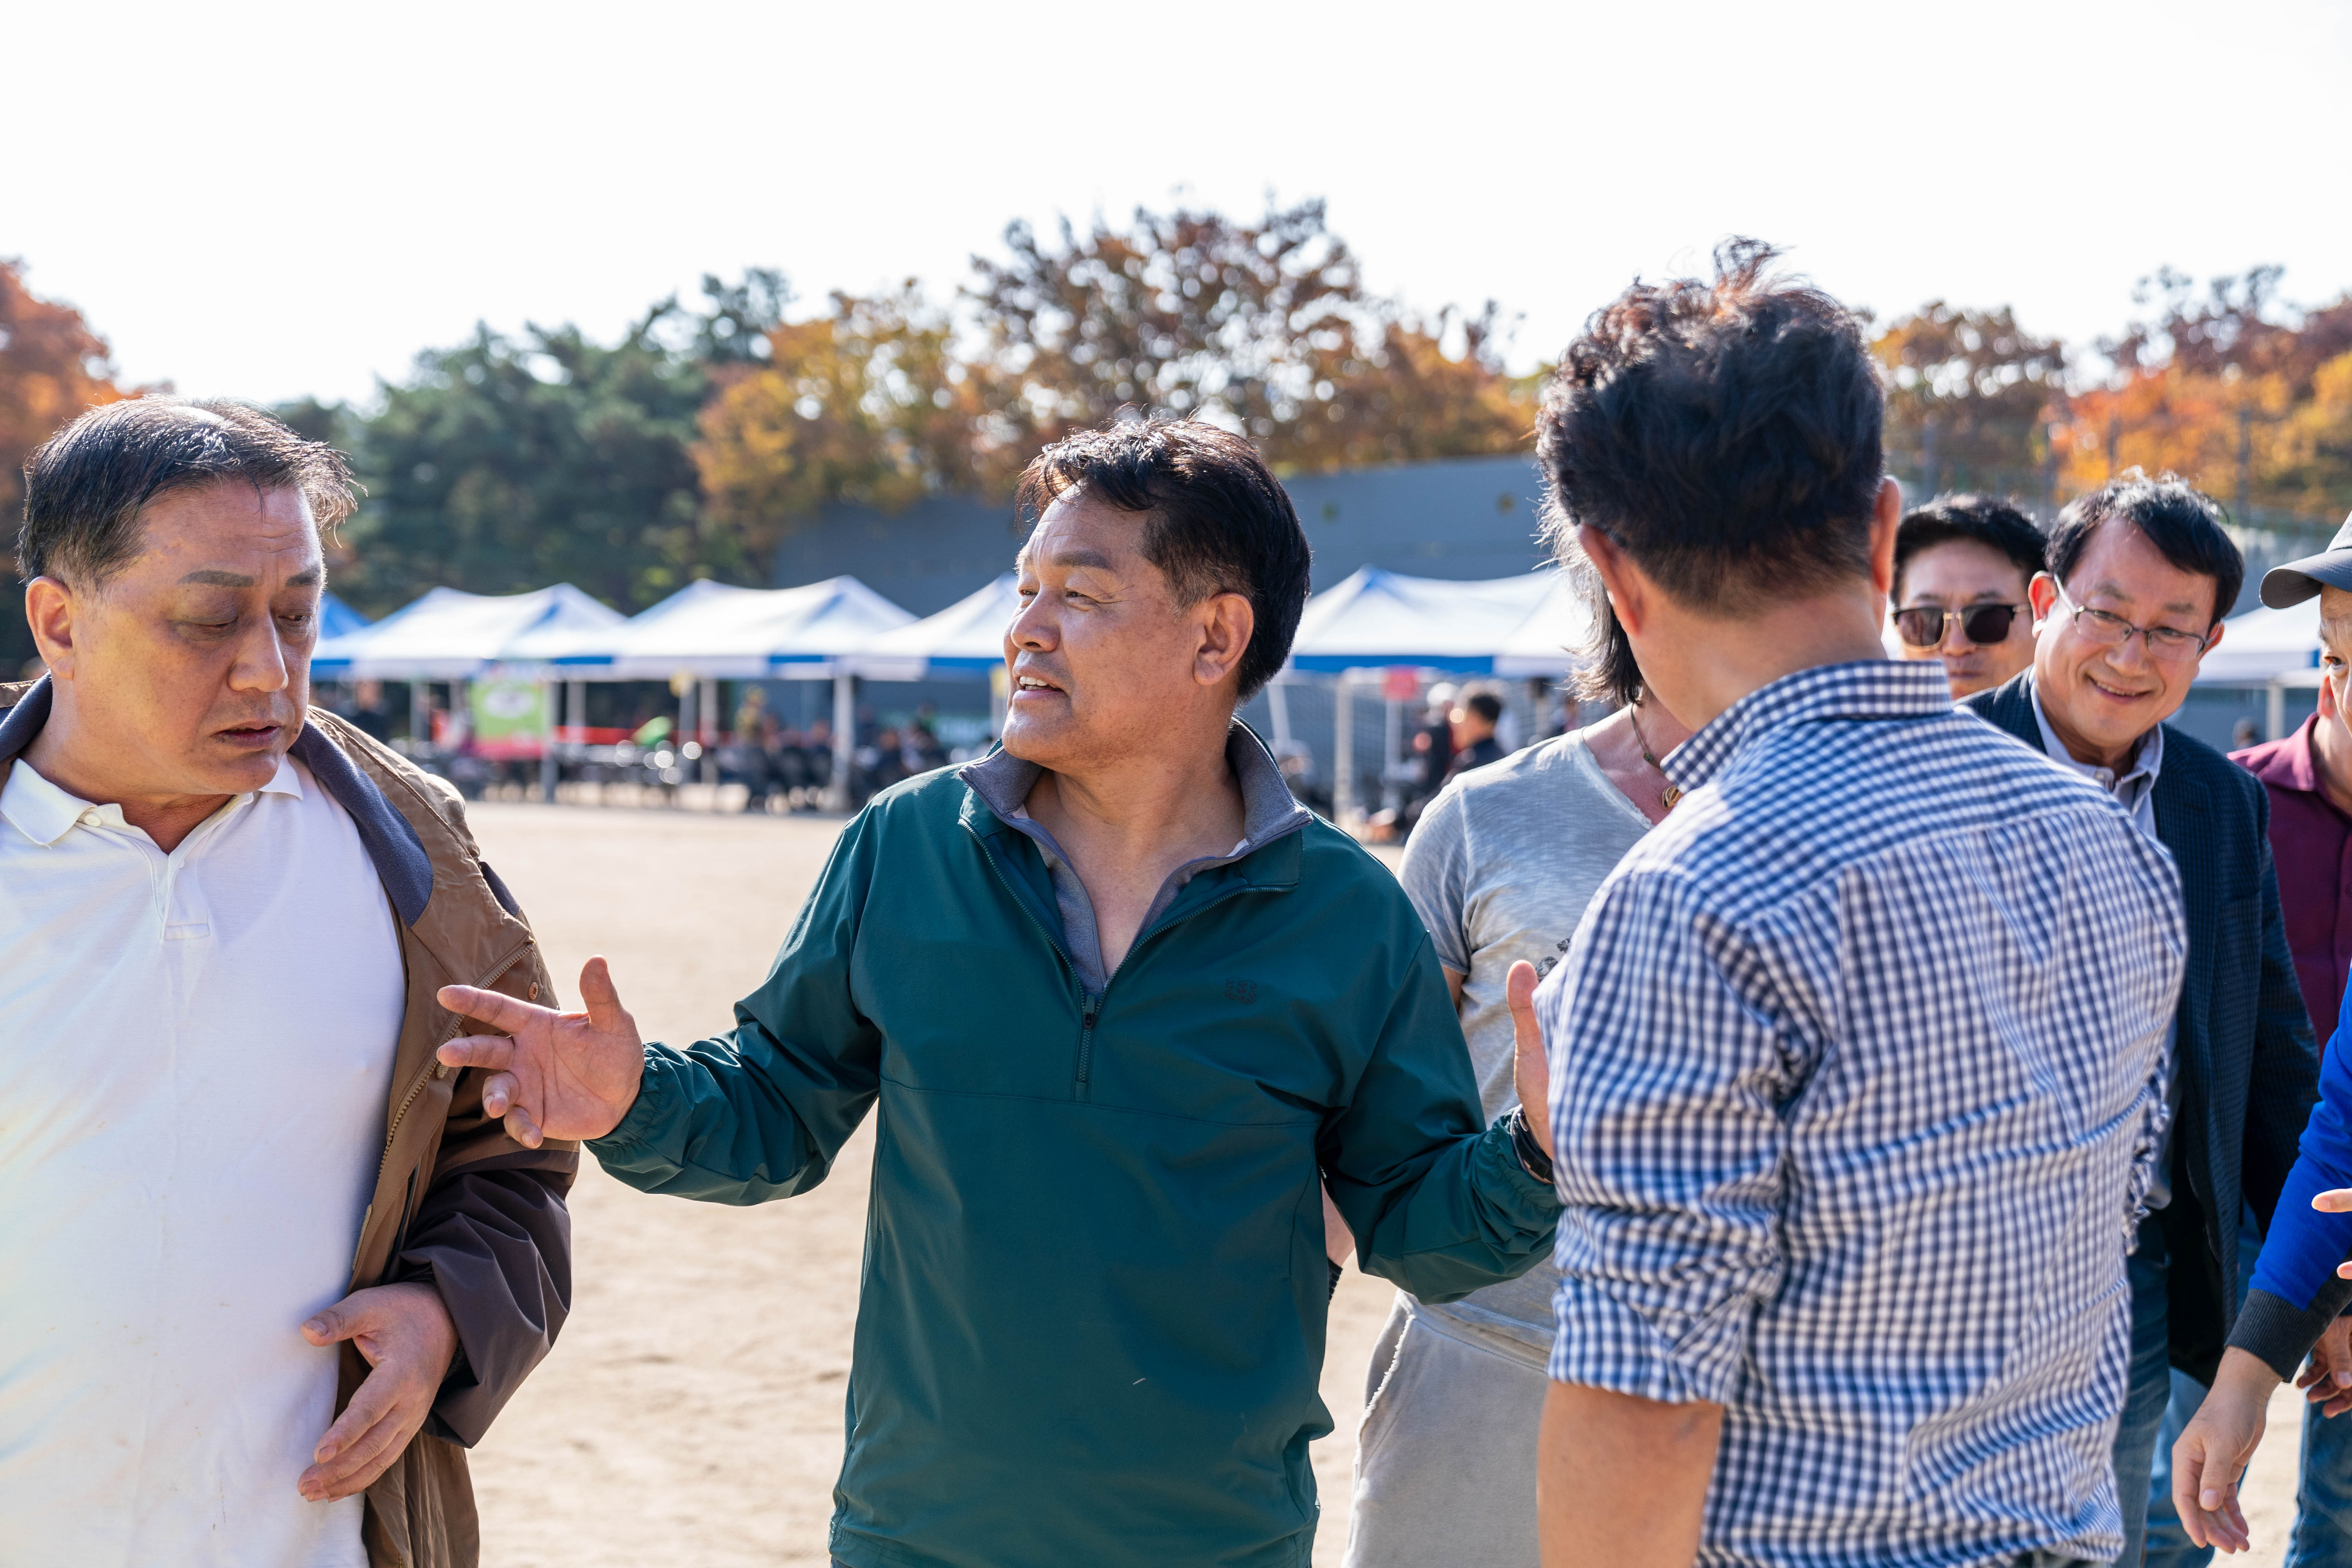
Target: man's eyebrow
[211,579]
[1095,557]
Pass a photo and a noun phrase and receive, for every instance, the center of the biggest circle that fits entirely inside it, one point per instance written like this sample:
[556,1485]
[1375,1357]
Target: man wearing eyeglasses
[2140,575]
[1961,566]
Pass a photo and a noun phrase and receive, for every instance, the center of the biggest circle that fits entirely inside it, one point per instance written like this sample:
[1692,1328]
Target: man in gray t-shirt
[1500,868]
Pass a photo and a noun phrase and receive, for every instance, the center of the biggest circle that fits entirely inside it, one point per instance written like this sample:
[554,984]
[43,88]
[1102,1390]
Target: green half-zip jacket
[1091,1319]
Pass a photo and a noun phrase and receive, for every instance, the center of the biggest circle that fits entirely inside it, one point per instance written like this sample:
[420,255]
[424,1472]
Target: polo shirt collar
[44,813]
[1867,689]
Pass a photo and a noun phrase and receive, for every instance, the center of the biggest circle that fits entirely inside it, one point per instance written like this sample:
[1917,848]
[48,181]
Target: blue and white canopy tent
[708,632]
[1376,619]
[715,631]
[448,634]
[967,638]
[338,619]
[1379,619]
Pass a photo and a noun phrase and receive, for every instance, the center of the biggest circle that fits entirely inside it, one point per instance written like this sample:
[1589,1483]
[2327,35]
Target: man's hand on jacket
[403,1331]
[553,1075]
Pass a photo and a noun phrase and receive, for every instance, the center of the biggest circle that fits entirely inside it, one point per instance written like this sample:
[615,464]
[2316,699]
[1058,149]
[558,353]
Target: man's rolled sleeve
[1669,1070]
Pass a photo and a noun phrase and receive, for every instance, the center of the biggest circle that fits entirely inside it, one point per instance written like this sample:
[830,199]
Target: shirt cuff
[645,1115]
[1600,1342]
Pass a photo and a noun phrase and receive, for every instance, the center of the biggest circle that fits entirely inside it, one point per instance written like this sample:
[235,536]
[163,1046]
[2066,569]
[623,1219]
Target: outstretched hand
[2214,1450]
[553,1075]
[1528,1067]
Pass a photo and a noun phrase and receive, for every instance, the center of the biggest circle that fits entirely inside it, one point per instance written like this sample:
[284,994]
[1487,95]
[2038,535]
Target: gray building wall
[1466,518]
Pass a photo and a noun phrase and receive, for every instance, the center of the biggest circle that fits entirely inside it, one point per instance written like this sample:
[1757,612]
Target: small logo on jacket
[1241,990]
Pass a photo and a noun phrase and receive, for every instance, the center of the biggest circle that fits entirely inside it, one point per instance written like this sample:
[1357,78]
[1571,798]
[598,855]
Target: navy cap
[2299,580]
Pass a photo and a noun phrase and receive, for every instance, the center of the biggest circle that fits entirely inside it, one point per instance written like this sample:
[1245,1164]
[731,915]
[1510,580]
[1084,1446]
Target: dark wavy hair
[1216,520]
[1990,521]
[86,486]
[2184,523]
[1725,435]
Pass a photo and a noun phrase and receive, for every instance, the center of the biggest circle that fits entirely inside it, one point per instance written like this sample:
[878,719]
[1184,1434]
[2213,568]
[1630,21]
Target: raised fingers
[495,1009]
[478,1051]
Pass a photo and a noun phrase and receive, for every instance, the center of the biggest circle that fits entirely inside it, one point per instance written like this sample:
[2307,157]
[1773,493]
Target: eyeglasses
[1923,625]
[2166,645]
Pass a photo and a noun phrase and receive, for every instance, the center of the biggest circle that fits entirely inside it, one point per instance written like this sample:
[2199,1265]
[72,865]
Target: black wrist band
[1336,1272]
[1532,1159]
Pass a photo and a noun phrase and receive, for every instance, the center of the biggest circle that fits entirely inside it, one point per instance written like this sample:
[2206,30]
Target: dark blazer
[2248,1069]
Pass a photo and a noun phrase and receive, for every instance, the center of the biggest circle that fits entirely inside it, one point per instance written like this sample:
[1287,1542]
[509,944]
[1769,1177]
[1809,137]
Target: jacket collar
[390,841]
[1870,689]
[1001,783]
[2285,763]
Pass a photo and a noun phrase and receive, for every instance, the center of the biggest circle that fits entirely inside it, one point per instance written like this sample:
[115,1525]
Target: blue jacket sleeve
[760,1112]
[2296,1292]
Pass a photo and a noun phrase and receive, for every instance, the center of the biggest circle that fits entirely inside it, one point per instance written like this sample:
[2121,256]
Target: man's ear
[1627,589]
[1228,621]
[49,610]
[1885,518]
[2043,594]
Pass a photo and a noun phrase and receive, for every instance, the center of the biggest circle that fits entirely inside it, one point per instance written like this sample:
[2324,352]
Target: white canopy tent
[966,637]
[449,635]
[2265,644]
[717,631]
[1376,619]
[2277,650]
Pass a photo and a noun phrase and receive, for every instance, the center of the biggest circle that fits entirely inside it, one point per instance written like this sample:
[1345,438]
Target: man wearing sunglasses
[1961,566]
[2140,575]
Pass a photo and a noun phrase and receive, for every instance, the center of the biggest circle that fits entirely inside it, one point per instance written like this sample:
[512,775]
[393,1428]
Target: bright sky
[266,200]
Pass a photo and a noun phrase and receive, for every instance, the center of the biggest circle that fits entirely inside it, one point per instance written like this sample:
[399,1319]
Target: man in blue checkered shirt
[1858,1058]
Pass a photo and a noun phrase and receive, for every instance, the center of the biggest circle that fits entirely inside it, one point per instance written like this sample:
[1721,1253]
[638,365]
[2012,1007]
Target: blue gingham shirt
[1857,1070]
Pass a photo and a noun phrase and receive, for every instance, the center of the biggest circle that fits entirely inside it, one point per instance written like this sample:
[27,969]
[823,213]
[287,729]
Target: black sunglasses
[1923,625]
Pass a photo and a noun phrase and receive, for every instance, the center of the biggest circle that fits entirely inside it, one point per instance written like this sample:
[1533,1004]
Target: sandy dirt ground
[691,1414]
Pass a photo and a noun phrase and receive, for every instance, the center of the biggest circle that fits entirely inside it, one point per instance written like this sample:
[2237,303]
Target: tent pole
[844,736]
[1392,754]
[1343,756]
[575,712]
[2275,711]
[550,693]
[1280,705]
[705,714]
[420,714]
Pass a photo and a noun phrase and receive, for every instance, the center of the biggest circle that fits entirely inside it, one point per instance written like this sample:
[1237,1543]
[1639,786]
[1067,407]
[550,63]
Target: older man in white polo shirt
[222,921]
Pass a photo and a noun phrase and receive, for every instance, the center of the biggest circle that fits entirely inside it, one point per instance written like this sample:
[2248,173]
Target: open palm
[553,1075]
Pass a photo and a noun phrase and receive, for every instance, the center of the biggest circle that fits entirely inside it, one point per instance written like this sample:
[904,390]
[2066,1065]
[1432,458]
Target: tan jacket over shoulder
[456,1200]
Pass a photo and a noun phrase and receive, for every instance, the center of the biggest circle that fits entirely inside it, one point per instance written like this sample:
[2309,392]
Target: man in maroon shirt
[2308,777]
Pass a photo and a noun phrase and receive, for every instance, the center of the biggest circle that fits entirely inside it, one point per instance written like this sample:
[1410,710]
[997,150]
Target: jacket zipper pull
[1086,1038]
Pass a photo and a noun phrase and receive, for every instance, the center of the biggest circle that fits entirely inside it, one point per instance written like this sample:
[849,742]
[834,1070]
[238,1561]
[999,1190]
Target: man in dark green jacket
[1123,1003]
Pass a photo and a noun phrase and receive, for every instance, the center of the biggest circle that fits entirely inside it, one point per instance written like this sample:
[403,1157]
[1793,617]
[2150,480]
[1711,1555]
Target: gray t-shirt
[1500,869]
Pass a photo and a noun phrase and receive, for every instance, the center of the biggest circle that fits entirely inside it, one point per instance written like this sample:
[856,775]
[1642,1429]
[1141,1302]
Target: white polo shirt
[195,1049]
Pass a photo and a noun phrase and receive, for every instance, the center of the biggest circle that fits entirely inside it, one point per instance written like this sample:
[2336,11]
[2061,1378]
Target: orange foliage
[52,366]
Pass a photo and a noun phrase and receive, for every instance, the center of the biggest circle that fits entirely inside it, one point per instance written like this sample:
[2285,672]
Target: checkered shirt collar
[1871,688]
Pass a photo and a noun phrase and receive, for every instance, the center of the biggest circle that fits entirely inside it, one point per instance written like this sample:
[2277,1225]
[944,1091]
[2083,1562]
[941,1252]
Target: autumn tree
[52,366]
[1264,327]
[2233,388]
[508,463]
[867,402]
[1971,396]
